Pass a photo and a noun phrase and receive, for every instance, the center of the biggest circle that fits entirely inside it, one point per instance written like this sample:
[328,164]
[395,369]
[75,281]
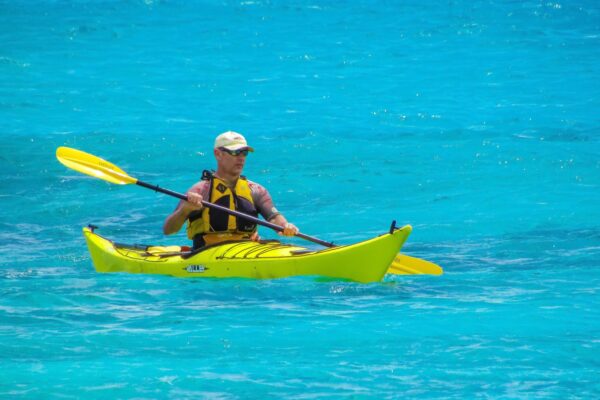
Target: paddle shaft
[232,212]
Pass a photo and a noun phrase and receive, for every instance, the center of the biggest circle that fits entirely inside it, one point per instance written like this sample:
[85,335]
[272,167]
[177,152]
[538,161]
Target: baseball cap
[232,141]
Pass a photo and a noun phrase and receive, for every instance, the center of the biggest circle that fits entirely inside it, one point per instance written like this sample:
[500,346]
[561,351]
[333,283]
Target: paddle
[94,166]
[407,265]
[97,167]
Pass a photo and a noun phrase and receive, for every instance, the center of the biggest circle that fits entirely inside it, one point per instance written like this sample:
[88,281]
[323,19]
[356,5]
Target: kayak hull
[366,261]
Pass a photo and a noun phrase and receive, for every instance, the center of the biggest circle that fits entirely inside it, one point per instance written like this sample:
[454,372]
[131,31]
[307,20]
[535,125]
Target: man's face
[231,163]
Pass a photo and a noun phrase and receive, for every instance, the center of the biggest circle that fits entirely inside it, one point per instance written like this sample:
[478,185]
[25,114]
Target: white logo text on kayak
[193,269]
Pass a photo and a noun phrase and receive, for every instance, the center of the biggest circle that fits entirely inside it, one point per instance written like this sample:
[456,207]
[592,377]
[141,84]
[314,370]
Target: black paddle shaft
[238,214]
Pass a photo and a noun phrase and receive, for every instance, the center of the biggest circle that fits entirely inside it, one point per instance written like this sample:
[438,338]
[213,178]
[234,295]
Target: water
[476,122]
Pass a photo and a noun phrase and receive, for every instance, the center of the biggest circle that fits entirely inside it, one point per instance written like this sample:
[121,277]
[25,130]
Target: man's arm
[288,229]
[264,205]
[175,221]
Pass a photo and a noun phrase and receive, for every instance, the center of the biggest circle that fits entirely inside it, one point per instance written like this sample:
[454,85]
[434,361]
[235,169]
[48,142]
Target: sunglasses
[234,153]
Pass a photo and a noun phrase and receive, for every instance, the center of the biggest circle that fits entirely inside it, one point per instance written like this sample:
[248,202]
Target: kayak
[365,261]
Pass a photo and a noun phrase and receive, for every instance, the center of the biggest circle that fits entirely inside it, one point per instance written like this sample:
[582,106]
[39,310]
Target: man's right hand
[175,221]
[194,201]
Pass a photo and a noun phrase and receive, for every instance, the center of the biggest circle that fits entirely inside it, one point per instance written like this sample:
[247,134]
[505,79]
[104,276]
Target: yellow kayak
[365,261]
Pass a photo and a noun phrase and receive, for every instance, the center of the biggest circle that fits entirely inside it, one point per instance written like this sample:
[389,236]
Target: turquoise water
[476,122]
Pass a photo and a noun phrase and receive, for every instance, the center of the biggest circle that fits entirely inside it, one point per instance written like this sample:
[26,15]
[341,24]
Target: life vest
[205,225]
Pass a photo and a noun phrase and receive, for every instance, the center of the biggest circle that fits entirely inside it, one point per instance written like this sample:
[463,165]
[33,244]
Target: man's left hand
[289,230]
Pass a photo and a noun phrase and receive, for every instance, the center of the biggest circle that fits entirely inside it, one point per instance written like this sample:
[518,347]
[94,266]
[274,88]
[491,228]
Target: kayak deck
[365,261]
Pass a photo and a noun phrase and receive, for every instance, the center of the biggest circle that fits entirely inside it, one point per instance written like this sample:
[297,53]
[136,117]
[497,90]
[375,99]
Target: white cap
[232,141]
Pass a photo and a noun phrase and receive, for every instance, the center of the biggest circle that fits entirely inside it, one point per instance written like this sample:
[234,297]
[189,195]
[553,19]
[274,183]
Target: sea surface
[477,122]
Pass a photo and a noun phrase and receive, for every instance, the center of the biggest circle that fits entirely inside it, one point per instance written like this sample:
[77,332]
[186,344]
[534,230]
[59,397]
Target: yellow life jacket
[205,225]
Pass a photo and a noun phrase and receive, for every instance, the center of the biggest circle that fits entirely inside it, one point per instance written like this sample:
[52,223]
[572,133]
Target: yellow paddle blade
[407,265]
[94,166]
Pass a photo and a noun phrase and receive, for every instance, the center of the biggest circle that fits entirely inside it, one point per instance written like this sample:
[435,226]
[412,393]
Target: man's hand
[175,221]
[289,230]
[193,203]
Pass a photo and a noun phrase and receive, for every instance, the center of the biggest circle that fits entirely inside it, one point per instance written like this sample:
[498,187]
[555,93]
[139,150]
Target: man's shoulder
[255,186]
[200,185]
[252,183]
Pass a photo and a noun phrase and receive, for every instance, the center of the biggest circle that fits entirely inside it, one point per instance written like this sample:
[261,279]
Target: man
[225,187]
